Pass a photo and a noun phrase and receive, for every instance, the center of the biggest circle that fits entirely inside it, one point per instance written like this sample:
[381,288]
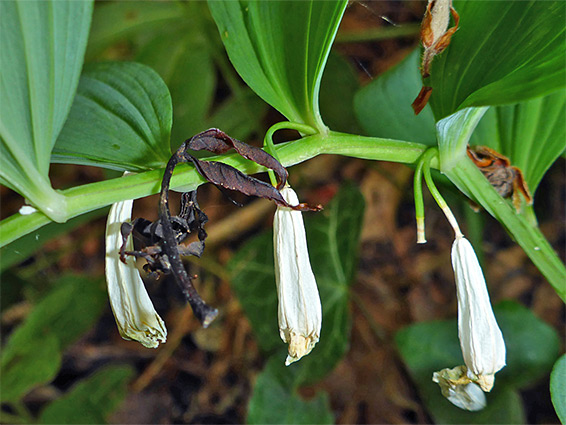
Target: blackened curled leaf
[225,176]
[216,141]
[228,177]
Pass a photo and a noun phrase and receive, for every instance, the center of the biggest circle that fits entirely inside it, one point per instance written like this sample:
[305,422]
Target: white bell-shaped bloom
[299,311]
[134,312]
[483,347]
[459,390]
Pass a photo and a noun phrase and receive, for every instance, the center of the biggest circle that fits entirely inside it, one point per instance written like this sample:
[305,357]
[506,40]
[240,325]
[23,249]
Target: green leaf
[337,91]
[454,133]
[90,400]
[333,236]
[503,52]
[532,347]
[182,57]
[558,388]
[531,134]
[68,311]
[383,107]
[115,21]
[238,115]
[280,49]
[25,366]
[171,38]
[253,281]
[32,355]
[275,400]
[120,119]
[42,46]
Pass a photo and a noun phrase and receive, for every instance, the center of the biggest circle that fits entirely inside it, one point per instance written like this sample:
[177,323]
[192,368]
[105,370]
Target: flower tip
[299,346]
[148,340]
[459,390]
[486,382]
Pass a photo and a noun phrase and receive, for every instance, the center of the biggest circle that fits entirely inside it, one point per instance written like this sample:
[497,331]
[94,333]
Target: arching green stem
[427,157]
[269,146]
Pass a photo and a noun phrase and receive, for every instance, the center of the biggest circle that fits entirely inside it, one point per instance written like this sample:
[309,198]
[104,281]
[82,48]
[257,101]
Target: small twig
[202,311]
[238,222]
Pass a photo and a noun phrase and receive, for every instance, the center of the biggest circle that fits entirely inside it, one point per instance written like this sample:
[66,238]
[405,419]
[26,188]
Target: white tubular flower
[300,311]
[481,340]
[457,388]
[134,313]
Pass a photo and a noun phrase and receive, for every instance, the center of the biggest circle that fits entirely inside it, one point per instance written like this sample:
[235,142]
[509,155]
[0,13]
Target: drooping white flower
[459,390]
[483,347]
[133,310]
[299,311]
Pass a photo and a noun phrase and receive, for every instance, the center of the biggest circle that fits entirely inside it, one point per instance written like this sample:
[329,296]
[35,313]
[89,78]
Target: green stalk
[419,201]
[269,147]
[89,197]
[429,154]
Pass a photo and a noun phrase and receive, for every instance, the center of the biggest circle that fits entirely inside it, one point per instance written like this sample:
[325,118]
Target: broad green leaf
[32,354]
[253,281]
[120,119]
[558,388]
[337,91]
[27,365]
[116,21]
[333,236]
[12,289]
[532,346]
[90,400]
[68,311]
[275,399]
[531,134]
[383,107]
[171,38]
[454,133]
[179,41]
[239,115]
[42,46]
[26,246]
[183,59]
[280,49]
[503,52]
